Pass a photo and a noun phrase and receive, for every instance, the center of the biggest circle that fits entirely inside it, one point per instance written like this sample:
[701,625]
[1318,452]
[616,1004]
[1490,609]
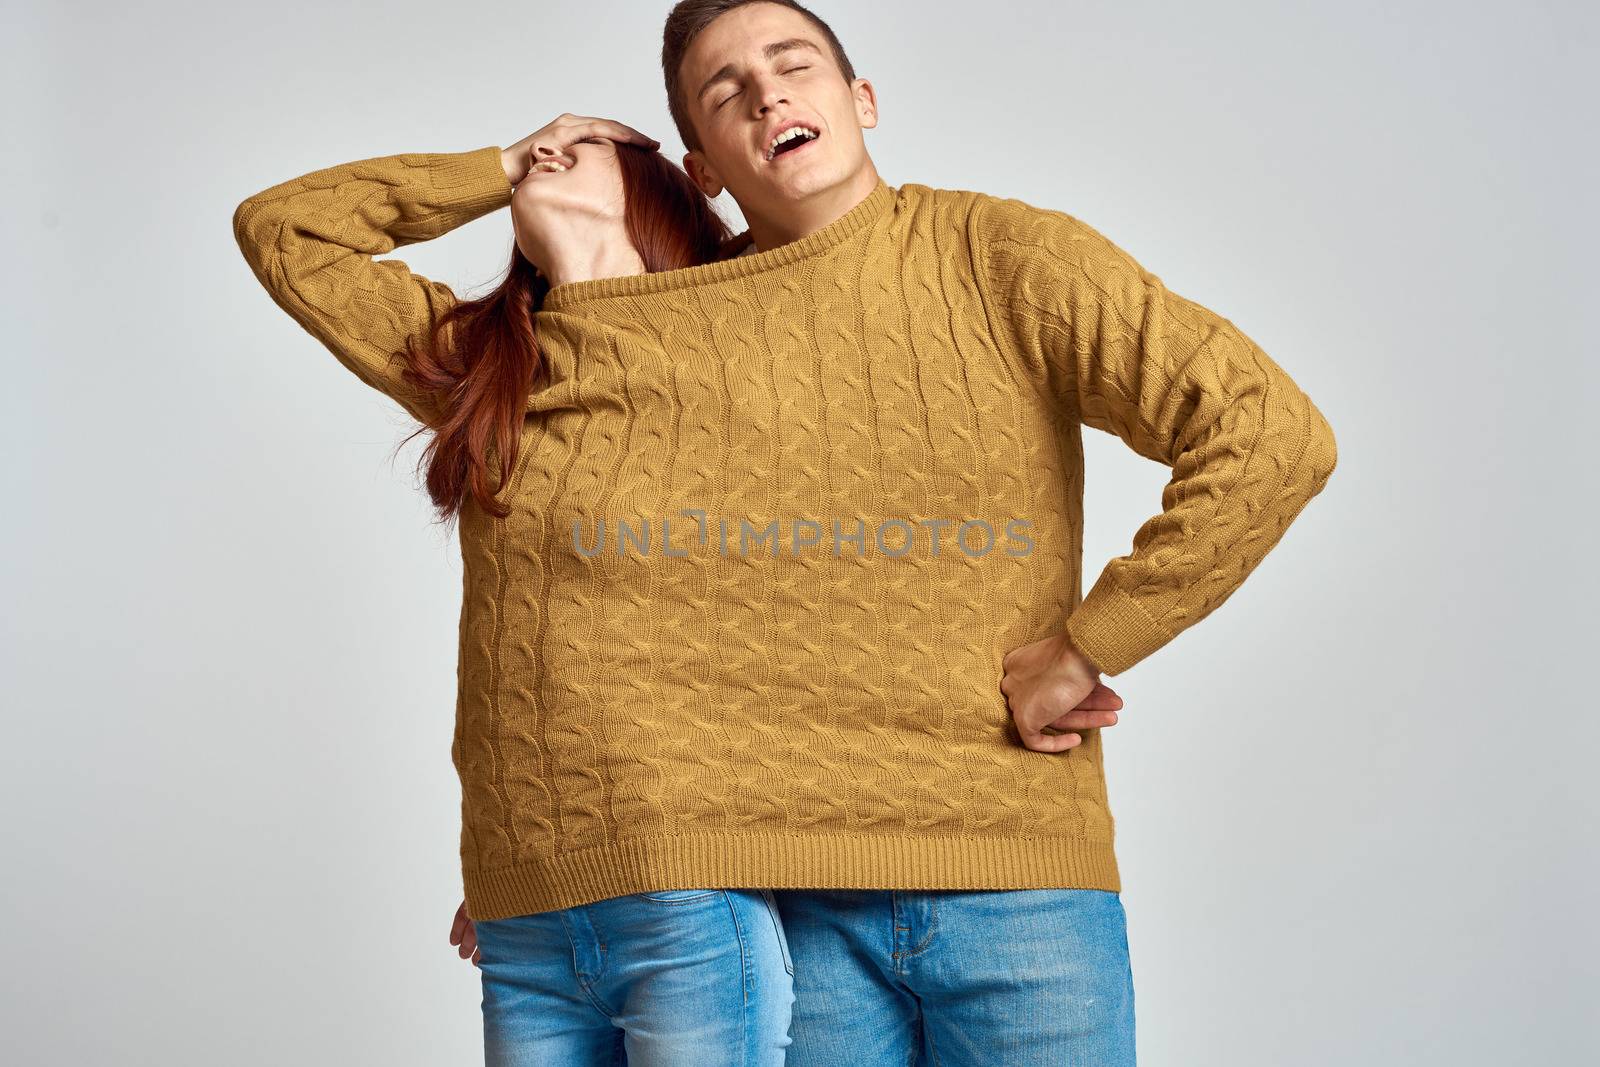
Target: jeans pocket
[777,925]
[678,896]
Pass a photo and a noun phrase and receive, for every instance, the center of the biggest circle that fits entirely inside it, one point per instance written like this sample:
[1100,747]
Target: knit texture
[846,476]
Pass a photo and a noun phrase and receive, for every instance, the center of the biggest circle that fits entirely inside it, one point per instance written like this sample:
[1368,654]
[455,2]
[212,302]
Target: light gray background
[1353,819]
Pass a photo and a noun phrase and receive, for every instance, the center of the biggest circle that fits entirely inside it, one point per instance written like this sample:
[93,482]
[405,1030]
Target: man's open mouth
[791,140]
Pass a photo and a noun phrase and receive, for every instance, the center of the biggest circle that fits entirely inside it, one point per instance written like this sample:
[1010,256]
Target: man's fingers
[1079,718]
[1042,742]
[1101,698]
[1082,719]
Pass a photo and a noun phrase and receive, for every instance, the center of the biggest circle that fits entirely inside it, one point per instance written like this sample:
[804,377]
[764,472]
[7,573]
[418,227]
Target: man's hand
[463,933]
[1050,684]
[552,141]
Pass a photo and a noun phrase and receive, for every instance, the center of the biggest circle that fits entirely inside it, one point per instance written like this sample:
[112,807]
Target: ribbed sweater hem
[753,860]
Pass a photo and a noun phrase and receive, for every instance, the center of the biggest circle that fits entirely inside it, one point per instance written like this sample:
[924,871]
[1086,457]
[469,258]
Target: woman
[666,977]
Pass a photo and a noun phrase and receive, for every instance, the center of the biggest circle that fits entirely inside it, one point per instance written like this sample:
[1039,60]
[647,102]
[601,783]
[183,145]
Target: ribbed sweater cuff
[1113,629]
[472,181]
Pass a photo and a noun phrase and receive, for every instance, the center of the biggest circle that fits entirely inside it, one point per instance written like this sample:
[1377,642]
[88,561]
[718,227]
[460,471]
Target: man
[1001,974]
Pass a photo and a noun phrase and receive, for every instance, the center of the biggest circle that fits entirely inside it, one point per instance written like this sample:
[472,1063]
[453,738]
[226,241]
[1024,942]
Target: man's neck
[790,222]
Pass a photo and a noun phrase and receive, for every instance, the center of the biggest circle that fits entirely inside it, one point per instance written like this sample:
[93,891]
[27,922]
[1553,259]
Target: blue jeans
[813,978]
[683,978]
[959,978]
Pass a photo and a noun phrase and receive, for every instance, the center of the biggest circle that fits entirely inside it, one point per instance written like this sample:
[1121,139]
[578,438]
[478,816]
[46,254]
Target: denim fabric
[898,978]
[813,978]
[685,978]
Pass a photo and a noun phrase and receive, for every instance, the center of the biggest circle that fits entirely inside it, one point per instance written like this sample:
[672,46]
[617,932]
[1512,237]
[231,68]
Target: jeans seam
[777,929]
[927,1040]
[584,984]
[927,938]
[746,969]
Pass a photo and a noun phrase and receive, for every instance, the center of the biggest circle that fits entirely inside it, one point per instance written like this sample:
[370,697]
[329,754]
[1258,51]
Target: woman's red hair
[482,357]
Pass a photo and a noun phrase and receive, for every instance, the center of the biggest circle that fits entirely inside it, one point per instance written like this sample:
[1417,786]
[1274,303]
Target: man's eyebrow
[771,50]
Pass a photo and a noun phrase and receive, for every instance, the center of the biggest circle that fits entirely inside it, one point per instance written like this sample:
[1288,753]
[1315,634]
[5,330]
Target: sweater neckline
[874,205]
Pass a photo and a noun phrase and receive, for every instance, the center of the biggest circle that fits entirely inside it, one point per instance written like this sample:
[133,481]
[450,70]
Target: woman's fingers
[570,129]
[562,135]
[465,935]
[552,140]
[616,131]
[461,928]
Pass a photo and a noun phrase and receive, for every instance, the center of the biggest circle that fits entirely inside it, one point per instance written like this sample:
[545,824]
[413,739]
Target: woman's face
[584,202]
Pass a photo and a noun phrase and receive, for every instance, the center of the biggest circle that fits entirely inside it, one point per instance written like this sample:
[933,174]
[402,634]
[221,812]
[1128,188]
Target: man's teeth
[549,164]
[788,135]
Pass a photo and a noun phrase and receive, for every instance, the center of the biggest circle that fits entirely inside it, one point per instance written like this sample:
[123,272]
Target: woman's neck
[582,259]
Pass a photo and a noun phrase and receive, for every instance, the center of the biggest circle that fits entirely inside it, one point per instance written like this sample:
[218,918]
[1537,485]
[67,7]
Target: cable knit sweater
[776,520]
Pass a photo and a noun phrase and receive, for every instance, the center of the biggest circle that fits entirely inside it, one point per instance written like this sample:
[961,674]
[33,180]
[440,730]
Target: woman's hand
[463,933]
[551,142]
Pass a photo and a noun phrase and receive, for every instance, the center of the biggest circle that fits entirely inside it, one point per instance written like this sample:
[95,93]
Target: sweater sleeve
[1179,384]
[310,242]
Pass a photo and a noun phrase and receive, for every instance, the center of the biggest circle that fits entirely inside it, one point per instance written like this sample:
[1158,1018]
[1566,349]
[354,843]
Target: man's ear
[866,101]
[701,175]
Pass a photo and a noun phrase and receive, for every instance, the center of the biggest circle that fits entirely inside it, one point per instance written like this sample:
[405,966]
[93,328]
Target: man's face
[753,71]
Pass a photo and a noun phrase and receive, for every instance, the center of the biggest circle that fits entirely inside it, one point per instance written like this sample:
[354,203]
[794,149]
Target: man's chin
[799,184]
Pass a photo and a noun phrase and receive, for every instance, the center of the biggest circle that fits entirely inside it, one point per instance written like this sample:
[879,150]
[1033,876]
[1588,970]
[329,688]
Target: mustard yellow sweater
[776,520]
